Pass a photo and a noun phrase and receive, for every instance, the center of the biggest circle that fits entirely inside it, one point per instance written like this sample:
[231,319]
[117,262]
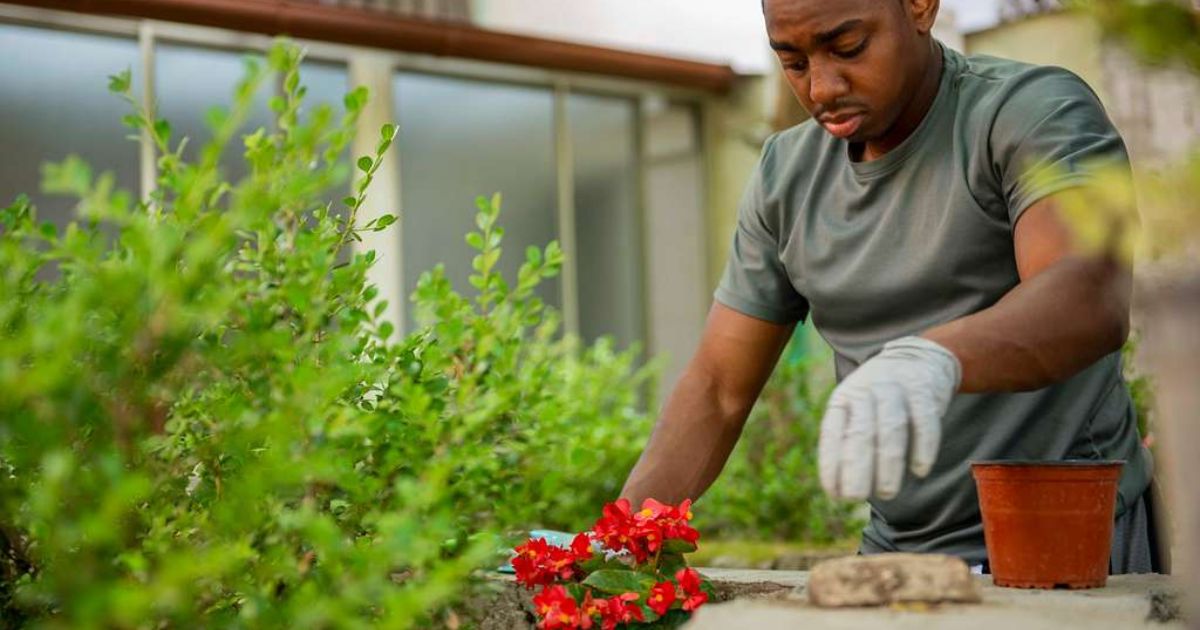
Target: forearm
[690,444]
[1044,330]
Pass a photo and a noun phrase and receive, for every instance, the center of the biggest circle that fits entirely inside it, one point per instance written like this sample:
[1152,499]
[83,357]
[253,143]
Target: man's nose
[826,85]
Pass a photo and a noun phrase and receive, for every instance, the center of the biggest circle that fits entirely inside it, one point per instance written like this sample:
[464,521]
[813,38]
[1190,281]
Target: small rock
[1165,606]
[884,579]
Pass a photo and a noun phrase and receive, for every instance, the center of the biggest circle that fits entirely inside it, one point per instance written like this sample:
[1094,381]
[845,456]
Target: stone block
[883,579]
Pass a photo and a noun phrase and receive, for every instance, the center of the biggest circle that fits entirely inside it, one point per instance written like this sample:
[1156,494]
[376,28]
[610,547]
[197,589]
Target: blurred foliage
[770,488]
[1155,218]
[207,424]
[1141,387]
[1158,31]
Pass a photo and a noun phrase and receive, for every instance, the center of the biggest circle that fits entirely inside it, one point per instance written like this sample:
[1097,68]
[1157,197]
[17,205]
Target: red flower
[556,608]
[661,597]
[538,562]
[689,581]
[621,609]
[581,547]
[591,608]
[671,521]
[650,533]
[617,530]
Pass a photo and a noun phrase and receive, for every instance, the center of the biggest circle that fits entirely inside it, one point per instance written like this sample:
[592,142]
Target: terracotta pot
[1048,524]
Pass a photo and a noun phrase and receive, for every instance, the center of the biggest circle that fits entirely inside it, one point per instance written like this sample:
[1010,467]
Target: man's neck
[913,114]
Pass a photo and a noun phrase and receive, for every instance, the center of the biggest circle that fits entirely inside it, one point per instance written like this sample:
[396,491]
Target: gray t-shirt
[921,236]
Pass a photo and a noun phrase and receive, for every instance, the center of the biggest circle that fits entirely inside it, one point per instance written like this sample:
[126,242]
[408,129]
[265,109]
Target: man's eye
[853,52]
[797,66]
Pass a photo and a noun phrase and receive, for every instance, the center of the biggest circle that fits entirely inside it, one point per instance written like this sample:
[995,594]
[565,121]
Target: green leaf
[675,545]
[670,562]
[162,130]
[356,99]
[491,258]
[475,240]
[120,83]
[618,581]
[215,117]
[350,201]
[387,132]
[553,254]
[533,255]
[383,221]
[598,563]
[72,176]
[386,329]
[277,104]
[365,163]
[495,237]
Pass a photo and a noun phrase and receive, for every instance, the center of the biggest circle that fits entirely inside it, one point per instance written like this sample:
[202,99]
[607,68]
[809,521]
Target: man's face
[853,64]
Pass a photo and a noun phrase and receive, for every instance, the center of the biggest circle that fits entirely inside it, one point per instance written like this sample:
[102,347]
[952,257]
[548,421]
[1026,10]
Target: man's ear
[923,13]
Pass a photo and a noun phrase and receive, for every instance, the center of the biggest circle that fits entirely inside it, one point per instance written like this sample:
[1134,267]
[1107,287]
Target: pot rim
[1048,463]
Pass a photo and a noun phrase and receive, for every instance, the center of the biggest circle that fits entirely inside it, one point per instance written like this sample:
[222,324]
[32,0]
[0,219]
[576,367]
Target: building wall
[1157,110]
[717,31]
[1058,39]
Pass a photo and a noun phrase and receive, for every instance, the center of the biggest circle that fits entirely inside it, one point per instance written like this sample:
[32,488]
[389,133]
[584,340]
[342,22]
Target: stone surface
[1129,601]
[883,579]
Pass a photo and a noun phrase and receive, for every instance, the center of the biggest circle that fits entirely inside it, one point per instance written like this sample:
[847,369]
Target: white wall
[721,31]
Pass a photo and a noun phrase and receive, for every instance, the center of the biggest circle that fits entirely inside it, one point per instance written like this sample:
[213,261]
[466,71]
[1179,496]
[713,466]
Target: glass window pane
[190,81]
[55,102]
[327,84]
[607,231]
[459,139]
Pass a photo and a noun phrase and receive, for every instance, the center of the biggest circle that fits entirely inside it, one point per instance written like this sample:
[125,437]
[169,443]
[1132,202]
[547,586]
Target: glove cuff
[928,349]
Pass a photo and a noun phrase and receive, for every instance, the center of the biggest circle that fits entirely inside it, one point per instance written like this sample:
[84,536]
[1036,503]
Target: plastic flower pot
[1048,524]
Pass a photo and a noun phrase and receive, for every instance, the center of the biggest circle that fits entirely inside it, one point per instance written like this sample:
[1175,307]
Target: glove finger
[891,440]
[858,448]
[926,417]
[829,446]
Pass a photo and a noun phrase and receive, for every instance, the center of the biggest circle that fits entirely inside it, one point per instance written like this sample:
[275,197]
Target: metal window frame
[562,84]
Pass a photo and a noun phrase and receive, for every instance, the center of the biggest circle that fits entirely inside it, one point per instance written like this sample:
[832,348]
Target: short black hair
[763,4]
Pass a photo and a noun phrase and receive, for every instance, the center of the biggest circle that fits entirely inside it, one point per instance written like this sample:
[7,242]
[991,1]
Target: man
[964,324]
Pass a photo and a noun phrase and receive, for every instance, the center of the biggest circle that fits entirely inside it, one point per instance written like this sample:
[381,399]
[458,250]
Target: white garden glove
[903,390]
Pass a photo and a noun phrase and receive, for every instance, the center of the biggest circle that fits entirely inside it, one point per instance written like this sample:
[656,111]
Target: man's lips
[842,126]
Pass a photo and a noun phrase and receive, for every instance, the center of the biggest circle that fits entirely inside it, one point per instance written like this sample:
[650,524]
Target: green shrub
[205,422]
[770,488]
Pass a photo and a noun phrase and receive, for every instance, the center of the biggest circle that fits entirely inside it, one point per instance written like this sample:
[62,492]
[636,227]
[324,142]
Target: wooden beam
[376,29]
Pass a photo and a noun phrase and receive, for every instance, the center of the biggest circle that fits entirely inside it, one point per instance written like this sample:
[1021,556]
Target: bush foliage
[206,423]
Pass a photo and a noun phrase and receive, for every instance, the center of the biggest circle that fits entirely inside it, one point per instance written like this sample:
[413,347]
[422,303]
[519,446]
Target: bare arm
[705,413]
[1068,311]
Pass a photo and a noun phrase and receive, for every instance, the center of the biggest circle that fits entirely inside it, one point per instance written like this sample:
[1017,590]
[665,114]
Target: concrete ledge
[1129,601]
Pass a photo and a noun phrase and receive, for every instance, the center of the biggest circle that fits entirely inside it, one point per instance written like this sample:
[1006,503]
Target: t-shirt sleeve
[1051,134]
[755,282]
